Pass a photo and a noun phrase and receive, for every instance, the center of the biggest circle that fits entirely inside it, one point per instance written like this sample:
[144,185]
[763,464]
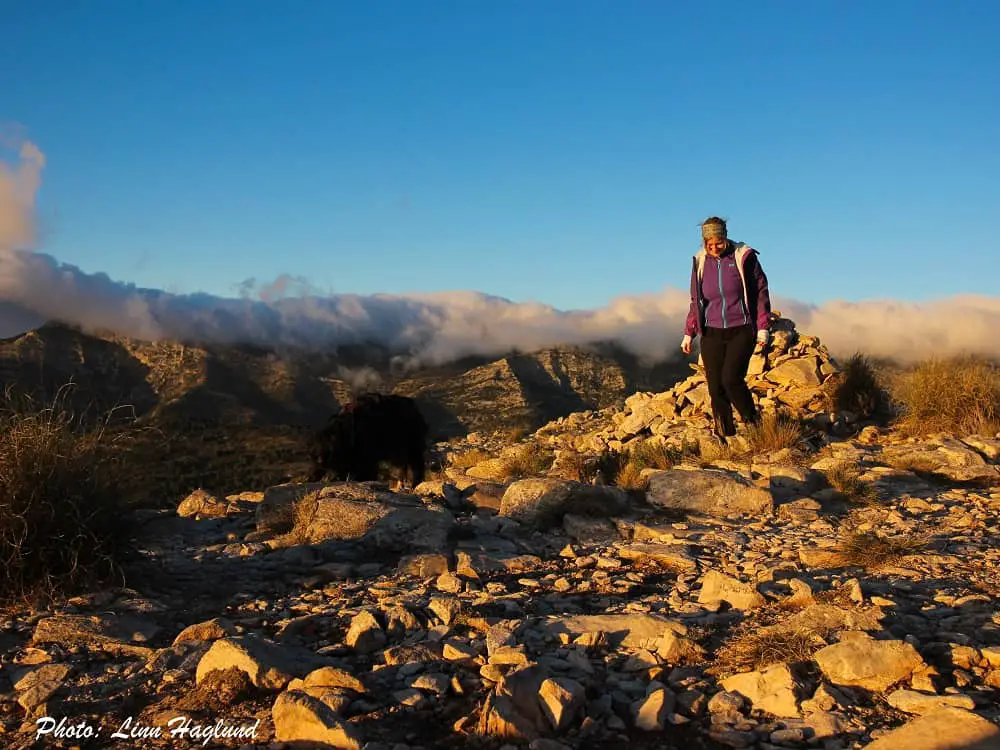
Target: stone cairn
[794,375]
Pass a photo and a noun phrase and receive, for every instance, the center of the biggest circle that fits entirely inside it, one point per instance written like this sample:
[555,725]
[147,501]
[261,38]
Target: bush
[62,501]
[857,388]
[959,395]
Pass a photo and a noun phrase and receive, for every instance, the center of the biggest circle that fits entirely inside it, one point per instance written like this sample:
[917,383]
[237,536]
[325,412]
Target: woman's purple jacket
[756,297]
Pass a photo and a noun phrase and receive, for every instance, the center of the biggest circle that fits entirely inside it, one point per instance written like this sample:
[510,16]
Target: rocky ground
[734,602]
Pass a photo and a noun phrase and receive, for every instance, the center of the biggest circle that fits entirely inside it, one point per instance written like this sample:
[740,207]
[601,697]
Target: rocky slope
[233,418]
[741,601]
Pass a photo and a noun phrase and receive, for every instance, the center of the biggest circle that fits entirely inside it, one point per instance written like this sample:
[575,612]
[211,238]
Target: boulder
[868,664]
[944,729]
[268,665]
[299,717]
[711,492]
[275,512]
[543,503]
[201,504]
[350,511]
[773,689]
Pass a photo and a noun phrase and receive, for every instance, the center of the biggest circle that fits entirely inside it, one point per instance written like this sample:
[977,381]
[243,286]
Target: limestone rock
[946,456]
[710,492]
[716,587]
[944,729]
[773,690]
[299,717]
[276,511]
[202,504]
[636,630]
[210,630]
[544,502]
[561,699]
[676,649]
[671,556]
[651,712]
[116,633]
[869,664]
[365,633]
[36,685]
[803,371]
[350,511]
[920,703]
[268,664]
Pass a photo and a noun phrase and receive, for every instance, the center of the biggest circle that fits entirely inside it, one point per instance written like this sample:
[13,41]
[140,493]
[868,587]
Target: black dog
[371,429]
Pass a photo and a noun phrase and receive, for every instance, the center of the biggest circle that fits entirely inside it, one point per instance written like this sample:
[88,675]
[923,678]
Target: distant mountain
[229,416]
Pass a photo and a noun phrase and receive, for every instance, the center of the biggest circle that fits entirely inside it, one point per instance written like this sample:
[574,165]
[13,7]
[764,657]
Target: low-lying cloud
[425,328]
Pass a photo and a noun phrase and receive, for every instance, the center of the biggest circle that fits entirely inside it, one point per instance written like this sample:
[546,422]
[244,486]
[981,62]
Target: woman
[731,310]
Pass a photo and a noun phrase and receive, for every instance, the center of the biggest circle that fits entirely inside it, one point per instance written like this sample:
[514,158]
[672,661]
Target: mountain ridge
[258,405]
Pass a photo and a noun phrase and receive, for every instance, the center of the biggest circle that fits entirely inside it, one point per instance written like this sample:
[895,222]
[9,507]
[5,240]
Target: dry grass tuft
[868,550]
[959,395]
[916,463]
[846,479]
[776,431]
[63,499]
[610,464]
[630,477]
[468,458]
[517,432]
[755,648]
[530,461]
[653,454]
[857,388]
[624,468]
[576,466]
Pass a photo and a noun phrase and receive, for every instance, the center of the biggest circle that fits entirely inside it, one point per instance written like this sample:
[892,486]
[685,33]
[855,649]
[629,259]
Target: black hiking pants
[726,354]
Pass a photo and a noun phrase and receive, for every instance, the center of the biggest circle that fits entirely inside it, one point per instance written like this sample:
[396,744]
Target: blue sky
[562,151]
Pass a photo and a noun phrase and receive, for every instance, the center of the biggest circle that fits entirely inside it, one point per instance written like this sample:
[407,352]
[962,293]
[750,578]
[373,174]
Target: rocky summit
[837,592]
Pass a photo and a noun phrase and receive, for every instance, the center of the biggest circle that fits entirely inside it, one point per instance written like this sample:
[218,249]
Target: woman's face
[715,246]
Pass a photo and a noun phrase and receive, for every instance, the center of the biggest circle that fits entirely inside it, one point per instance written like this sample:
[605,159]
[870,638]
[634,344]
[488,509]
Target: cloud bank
[425,328]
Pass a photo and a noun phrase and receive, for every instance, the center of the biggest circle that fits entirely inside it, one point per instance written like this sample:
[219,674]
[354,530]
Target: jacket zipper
[718,262]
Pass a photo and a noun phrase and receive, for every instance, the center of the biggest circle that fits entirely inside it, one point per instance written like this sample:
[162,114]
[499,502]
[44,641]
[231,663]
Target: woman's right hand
[686,345]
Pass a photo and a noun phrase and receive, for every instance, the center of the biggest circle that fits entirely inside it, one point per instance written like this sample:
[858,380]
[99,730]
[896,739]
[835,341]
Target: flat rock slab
[349,511]
[716,493]
[622,631]
[828,617]
[944,729]
[868,664]
[673,556]
[913,702]
[544,502]
[113,633]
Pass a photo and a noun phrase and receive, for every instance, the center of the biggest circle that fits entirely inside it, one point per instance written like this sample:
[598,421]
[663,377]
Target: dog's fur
[372,429]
